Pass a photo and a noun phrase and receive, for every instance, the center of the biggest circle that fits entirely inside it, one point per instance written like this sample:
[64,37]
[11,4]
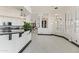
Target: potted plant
[27,26]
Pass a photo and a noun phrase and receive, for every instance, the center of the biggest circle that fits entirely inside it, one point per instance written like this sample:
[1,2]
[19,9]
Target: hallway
[50,44]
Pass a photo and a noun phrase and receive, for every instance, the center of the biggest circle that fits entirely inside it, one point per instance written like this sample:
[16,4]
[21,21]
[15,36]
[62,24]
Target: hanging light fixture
[22,15]
[56,8]
[21,12]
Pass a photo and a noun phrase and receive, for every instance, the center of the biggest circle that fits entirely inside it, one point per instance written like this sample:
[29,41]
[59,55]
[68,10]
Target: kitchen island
[16,44]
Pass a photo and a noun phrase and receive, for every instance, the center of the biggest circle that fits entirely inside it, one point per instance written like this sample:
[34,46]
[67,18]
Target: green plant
[27,26]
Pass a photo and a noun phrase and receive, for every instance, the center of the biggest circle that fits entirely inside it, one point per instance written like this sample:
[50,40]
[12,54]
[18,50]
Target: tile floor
[50,44]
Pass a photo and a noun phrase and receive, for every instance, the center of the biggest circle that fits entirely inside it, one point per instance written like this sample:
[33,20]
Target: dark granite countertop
[12,32]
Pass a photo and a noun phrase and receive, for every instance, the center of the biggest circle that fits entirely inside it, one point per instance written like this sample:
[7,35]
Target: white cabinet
[14,45]
[72,24]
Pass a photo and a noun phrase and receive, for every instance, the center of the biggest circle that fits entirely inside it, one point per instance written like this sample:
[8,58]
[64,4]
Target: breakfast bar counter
[16,43]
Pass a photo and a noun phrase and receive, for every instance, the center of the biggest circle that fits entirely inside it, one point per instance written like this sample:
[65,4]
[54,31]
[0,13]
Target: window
[44,23]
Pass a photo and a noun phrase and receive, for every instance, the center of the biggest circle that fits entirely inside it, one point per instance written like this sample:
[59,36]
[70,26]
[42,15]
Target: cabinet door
[76,25]
[68,23]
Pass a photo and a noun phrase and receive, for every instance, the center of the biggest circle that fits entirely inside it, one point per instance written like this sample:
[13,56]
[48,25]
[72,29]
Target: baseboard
[75,44]
[55,35]
[25,47]
[61,37]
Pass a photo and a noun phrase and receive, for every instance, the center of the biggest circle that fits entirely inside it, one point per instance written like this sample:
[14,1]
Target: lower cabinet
[14,45]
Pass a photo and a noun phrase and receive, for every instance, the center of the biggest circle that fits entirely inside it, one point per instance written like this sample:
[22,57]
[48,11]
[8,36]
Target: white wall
[28,8]
[37,13]
[9,11]
[10,14]
[28,18]
[49,29]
